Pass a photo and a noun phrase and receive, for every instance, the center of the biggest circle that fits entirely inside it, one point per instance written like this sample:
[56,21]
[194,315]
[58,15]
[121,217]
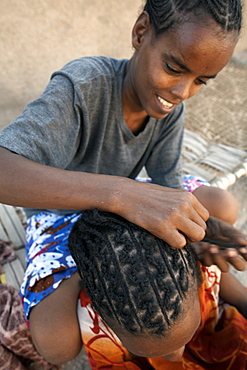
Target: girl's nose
[183,89]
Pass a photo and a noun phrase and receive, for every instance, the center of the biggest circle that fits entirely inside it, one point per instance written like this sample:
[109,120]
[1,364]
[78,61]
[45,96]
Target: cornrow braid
[130,275]
[166,13]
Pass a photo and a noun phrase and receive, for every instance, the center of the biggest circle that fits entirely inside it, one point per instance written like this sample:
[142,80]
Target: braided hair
[130,275]
[166,13]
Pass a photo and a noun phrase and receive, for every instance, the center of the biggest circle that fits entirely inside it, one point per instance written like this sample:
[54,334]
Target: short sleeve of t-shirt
[47,131]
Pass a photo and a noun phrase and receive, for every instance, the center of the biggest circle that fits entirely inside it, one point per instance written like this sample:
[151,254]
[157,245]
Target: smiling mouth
[164,102]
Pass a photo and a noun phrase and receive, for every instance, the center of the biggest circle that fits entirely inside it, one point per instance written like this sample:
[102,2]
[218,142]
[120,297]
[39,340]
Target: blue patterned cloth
[47,255]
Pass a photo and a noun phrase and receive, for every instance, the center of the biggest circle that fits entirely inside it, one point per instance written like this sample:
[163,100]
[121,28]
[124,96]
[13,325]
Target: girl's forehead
[195,32]
[179,334]
[196,44]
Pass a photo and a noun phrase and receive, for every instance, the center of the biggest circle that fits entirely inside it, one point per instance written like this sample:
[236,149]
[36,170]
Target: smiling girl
[99,121]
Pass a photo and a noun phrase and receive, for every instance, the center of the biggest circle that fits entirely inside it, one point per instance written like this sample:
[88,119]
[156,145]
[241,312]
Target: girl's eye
[172,70]
[201,82]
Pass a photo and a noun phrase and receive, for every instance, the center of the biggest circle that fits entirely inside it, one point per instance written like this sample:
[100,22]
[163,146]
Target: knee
[55,330]
[55,344]
[219,202]
[54,325]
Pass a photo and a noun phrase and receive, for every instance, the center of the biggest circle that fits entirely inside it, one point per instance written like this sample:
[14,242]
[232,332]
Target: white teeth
[165,103]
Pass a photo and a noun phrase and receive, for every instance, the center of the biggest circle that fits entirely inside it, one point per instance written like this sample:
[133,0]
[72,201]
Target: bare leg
[53,323]
[220,203]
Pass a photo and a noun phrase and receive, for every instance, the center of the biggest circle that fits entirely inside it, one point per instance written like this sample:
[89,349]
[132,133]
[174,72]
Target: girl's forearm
[233,292]
[33,185]
[171,214]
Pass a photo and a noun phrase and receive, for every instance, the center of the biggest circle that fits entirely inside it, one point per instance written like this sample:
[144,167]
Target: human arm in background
[233,292]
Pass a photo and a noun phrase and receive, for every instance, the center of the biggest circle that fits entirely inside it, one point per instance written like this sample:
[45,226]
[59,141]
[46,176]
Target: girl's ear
[141,28]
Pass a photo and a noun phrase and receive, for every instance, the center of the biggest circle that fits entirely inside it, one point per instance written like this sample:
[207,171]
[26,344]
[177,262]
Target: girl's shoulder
[87,69]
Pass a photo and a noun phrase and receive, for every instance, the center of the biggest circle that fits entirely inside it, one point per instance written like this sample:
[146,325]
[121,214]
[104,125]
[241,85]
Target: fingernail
[243,250]
[232,253]
[214,250]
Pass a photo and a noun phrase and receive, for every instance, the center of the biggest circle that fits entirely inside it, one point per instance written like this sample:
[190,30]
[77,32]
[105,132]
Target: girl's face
[171,346]
[166,70]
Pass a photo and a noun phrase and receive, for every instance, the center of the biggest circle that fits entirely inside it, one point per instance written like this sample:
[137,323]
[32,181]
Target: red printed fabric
[219,344]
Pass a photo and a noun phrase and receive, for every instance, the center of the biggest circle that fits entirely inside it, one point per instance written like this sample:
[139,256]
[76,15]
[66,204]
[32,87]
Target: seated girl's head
[145,291]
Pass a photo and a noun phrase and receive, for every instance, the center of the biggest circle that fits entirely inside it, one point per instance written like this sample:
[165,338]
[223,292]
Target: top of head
[165,14]
[133,278]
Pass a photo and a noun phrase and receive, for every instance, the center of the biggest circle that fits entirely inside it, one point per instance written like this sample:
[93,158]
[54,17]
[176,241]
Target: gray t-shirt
[77,124]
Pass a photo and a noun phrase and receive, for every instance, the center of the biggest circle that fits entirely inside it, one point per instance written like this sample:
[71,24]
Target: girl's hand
[210,254]
[233,249]
[173,215]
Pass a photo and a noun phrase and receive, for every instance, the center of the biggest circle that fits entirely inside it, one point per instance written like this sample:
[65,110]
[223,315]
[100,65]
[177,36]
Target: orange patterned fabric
[219,344]
[221,341]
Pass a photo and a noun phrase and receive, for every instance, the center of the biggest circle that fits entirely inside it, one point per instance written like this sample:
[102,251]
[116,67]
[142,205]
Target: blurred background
[40,36]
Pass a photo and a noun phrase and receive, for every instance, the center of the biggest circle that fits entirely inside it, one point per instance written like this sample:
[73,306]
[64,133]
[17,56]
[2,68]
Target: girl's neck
[135,117]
